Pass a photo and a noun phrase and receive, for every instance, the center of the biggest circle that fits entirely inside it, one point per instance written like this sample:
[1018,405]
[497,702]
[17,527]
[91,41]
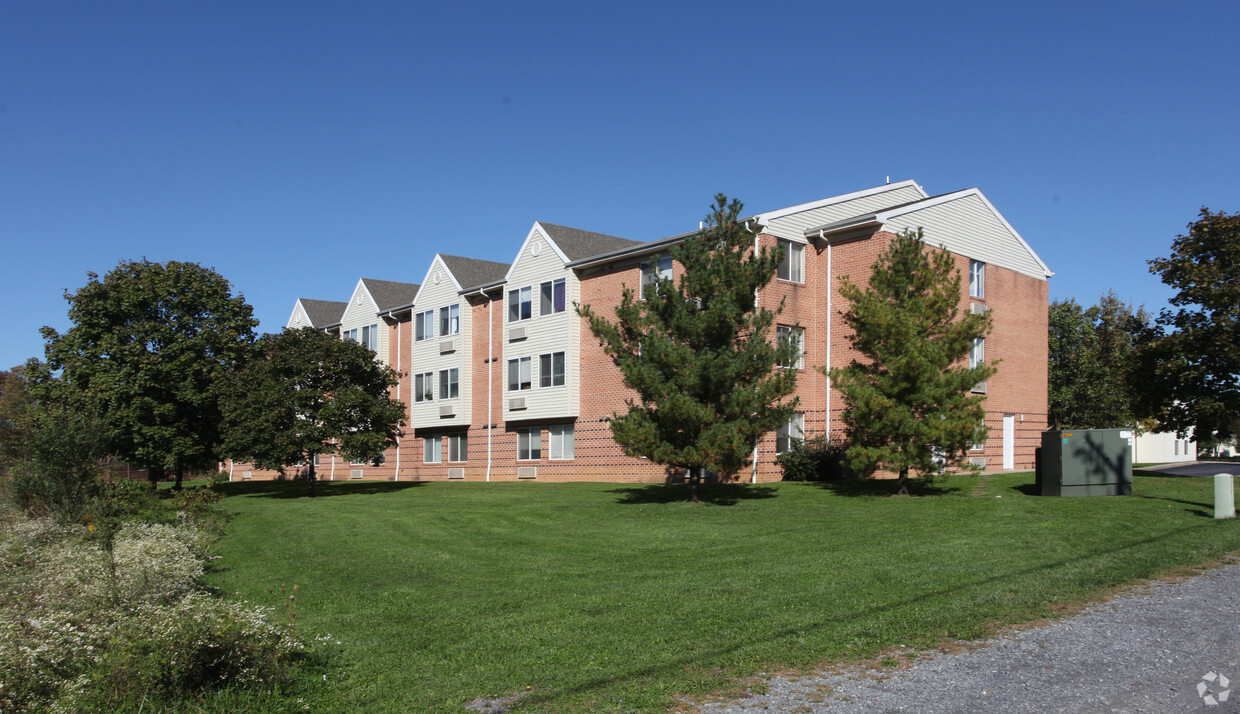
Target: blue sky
[298,146]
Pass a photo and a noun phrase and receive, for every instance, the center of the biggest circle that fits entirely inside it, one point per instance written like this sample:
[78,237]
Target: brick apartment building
[502,380]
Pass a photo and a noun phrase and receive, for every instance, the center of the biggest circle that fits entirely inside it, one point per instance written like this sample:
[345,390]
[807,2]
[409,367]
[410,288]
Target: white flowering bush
[82,628]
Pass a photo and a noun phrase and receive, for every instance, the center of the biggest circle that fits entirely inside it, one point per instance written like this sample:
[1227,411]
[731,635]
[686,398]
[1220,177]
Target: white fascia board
[369,301]
[884,216]
[536,229]
[296,306]
[764,218]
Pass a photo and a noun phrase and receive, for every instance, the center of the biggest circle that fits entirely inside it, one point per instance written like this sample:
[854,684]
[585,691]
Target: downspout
[490,366]
[830,316]
[399,432]
[753,476]
[230,469]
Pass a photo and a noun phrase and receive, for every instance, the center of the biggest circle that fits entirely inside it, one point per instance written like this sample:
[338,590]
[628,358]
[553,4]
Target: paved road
[1156,650]
[1203,469]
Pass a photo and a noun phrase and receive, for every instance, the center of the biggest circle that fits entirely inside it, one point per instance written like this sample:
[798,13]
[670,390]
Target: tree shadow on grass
[717,494]
[323,489]
[861,487]
[1207,513]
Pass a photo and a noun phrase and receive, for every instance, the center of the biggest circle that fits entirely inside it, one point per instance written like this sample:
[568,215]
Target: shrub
[815,458]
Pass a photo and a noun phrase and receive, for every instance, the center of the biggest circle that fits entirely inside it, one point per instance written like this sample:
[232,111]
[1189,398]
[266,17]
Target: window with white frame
[423,387]
[653,273]
[979,440]
[449,383]
[795,336]
[561,438]
[551,370]
[977,353]
[424,325]
[432,450]
[977,279]
[450,320]
[350,335]
[792,267]
[519,374]
[370,337]
[529,443]
[458,446]
[552,297]
[791,432]
[520,304]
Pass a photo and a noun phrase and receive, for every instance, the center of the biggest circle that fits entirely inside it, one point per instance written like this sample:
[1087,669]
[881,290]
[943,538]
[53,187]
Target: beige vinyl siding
[425,355]
[967,226]
[792,227]
[358,315]
[544,334]
[298,318]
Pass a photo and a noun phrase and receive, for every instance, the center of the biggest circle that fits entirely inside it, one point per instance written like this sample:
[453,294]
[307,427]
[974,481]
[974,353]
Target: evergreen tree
[306,393]
[908,403]
[1093,381]
[697,352]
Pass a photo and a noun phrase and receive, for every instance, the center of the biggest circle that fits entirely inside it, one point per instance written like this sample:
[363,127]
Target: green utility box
[1085,462]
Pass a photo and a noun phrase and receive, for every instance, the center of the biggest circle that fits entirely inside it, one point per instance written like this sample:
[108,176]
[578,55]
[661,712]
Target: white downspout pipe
[753,476]
[830,316]
[490,367]
[400,432]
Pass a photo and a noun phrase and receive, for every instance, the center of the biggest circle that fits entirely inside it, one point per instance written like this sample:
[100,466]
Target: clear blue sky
[299,146]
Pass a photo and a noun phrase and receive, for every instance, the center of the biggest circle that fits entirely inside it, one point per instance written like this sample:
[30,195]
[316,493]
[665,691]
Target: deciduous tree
[1093,368]
[1193,365]
[699,353]
[148,344]
[306,393]
[908,401]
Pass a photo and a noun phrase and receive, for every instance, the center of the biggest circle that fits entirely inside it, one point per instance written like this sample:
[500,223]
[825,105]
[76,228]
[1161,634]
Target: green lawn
[611,597]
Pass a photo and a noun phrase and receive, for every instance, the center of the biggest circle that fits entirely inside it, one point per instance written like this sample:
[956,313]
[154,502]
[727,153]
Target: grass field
[610,597]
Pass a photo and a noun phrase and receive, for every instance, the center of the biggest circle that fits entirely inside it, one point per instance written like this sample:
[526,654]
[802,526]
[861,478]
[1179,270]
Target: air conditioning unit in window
[977,309]
[978,461]
[527,472]
[447,346]
[247,474]
[979,388]
[516,403]
[447,410]
[355,473]
[456,473]
[516,333]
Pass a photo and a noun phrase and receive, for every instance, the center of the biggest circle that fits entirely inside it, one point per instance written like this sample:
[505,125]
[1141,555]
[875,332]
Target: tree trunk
[695,479]
[180,475]
[310,475]
[154,474]
[903,490]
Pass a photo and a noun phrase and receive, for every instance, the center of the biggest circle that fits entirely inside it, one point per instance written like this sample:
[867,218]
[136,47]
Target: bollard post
[1224,496]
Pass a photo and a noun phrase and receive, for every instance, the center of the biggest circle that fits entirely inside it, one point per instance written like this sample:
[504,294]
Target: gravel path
[1146,651]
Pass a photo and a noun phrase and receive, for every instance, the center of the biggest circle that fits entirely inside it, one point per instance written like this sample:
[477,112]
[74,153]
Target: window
[520,304]
[561,438]
[423,387]
[449,383]
[432,451]
[318,459]
[977,354]
[977,279]
[785,435]
[370,337]
[979,441]
[796,336]
[792,267]
[424,325]
[458,446]
[551,297]
[529,444]
[519,374]
[551,370]
[450,320]
[654,272]
[350,335]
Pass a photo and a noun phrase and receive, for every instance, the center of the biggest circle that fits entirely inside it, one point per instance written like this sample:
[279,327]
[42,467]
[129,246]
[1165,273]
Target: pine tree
[908,403]
[697,352]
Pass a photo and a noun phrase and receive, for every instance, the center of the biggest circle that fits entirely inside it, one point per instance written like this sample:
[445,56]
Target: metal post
[1224,496]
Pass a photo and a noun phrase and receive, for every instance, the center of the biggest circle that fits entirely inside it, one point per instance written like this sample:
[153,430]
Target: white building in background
[1162,448]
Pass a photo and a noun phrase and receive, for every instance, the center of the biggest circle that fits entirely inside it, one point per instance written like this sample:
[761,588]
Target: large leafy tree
[1193,365]
[698,353]
[307,393]
[908,401]
[1094,381]
[148,345]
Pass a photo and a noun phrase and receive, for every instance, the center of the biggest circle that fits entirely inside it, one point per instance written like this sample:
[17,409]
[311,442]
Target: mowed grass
[609,597]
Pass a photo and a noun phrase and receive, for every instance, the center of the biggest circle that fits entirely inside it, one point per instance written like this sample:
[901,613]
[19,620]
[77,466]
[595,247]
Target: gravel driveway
[1146,651]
